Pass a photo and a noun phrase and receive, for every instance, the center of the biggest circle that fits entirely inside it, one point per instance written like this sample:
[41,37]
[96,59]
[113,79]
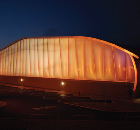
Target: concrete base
[97,88]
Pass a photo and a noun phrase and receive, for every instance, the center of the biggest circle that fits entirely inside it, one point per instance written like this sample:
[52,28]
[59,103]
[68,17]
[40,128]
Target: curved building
[72,57]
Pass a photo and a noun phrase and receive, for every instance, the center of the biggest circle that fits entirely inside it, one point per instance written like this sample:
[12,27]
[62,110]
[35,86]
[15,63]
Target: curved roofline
[114,45]
[39,38]
[77,37]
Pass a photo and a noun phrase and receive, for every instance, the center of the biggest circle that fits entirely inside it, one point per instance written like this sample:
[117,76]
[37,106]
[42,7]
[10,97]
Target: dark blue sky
[116,21]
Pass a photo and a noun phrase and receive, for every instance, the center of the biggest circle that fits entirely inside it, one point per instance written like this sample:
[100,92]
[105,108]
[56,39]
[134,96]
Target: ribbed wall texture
[67,57]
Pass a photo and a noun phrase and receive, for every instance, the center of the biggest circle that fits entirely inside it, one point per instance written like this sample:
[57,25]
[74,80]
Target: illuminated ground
[29,108]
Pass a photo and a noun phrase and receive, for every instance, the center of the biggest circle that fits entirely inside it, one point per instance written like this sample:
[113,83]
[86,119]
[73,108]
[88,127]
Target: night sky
[115,21]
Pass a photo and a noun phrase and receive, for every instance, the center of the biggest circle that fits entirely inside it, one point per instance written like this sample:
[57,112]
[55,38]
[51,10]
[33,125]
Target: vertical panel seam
[77,69]
[94,61]
[25,57]
[38,58]
[103,63]
[114,63]
[84,60]
[68,58]
[34,58]
[2,62]
[8,62]
[54,56]
[10,59]
[61,60]
[5,61]
[19,56]
[125,68]
[48,58]
[29,57]
[13,59]
[16,59]
[22,57]
[43,57]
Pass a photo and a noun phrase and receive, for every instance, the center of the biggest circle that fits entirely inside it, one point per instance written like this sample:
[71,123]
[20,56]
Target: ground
[35,109]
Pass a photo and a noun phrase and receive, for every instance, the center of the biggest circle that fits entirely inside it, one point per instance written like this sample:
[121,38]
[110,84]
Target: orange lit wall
[79,58]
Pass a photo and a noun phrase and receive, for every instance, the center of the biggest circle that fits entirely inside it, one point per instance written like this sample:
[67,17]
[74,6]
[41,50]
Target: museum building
[69,63]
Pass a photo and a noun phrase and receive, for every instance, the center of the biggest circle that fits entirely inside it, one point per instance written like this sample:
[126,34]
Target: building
[73,63]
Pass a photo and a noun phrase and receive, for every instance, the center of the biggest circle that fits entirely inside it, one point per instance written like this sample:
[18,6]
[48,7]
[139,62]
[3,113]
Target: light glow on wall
[75,57]
[62,83]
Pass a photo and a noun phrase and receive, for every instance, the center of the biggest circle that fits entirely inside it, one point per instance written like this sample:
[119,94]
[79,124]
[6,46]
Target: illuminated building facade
[72,57]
